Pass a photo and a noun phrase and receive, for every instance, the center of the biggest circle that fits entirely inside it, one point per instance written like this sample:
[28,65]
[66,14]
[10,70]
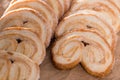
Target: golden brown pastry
[84,46]
[43,9]
[89,28]
[23,40]
[97,57]
[30,18]
[67,51]
[86,34]
[85,19]
[104,8]
[58,6]
[15,66]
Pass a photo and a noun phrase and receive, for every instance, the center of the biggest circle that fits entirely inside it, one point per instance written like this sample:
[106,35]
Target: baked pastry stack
[87,35]
[26,29]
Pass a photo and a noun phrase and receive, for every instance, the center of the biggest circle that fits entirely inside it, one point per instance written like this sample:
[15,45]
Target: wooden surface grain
[49,72]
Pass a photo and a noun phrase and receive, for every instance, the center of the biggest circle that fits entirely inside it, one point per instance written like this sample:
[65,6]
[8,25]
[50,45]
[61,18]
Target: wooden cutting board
[49,72]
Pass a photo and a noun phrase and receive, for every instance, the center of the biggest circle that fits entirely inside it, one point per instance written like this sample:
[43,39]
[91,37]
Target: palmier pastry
[87,20]
[15,66]
[26,17]
[67,52]
[97,57]
[56,5]
[40,6]
[109,12]
[23,40]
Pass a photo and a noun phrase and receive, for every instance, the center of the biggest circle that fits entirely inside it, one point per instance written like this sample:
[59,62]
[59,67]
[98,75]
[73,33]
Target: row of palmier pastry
[26,29]
[21,52]
[87,35]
